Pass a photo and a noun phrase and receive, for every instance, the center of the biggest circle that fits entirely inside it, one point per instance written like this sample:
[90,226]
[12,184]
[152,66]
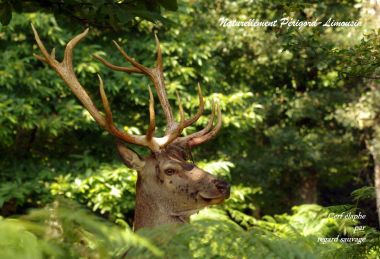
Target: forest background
[300,141]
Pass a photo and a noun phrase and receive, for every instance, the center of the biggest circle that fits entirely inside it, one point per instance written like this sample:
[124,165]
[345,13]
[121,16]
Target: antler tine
[157,77]
[159,54]
[181,124]
[202,131]
[190,121]
[152,117]
[68,54]
[195,141]
[133,62]
[110,126]
[177,129]
[52,53]
[118,68]
[105,102]
[47,58]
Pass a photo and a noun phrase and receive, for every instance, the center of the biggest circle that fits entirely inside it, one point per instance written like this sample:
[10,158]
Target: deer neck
[150,213]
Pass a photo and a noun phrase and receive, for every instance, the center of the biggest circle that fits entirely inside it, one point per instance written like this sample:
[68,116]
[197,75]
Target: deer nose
[222,186]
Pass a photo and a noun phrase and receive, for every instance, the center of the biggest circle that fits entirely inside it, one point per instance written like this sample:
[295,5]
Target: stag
[169,186]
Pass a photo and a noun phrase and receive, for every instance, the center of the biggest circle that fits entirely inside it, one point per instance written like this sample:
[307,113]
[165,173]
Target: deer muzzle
[221,191]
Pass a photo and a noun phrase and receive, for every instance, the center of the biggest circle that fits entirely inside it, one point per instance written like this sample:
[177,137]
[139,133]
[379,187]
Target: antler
[173,130]
[206,133]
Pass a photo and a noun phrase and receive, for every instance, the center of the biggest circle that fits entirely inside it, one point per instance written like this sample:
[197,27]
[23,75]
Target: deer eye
[170,171]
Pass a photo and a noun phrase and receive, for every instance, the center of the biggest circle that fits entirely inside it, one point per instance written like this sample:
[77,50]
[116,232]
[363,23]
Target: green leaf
[366,192]
[170,5]
[5,13]
[123,16]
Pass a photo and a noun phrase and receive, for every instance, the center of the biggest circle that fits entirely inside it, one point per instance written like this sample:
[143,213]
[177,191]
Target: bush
[66,230]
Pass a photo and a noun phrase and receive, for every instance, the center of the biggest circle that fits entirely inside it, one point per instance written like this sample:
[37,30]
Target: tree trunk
[308,189]
[373,147]
[377,187]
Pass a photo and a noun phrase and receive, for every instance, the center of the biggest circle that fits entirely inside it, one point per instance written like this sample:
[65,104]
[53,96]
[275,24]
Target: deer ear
[129,157]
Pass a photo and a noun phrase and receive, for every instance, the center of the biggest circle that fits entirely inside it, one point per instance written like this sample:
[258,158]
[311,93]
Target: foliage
[365,192]
[362,59]
[17,242]
[292,129]
[213,235]
[300,113]
[64,230]
[109,190]
[102,14]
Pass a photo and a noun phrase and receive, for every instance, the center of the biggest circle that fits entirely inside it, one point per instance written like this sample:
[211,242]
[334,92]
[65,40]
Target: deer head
[169,187]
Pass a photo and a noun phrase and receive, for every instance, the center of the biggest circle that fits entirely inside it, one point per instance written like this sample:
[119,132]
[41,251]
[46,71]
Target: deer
[170,187]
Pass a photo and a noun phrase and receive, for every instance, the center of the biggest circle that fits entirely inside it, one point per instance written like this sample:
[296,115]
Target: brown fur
[162,198]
